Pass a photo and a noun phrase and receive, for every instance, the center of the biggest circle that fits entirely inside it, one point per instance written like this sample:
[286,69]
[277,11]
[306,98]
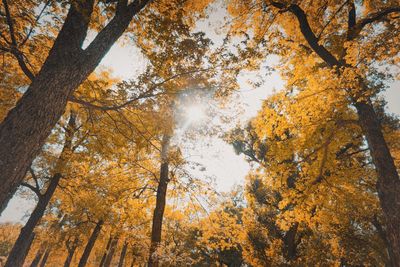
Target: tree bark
[388,184]
[45,257]
[26,127]
[111,252]
[90,244]
[15,258]
[21,246]
[160,202]
[123,254]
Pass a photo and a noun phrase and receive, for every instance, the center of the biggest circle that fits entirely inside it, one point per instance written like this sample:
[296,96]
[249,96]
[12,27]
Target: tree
[343,53]
[28,124]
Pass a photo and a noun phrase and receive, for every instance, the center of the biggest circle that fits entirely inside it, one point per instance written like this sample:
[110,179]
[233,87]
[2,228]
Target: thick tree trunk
[90,244]
[15,259]
[111,252]
[388,185]
[123,254]
[21,246]
[45,257]
[103,258]
[26,127]
[160,202]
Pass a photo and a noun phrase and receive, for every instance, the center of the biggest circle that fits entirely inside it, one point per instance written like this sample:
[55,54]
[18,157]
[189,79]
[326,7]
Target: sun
[195,113]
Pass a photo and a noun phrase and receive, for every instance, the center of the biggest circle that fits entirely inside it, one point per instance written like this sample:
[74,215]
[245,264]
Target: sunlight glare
[195,113]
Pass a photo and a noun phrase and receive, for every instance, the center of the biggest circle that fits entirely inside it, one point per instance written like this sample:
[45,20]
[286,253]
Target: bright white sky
[218,157]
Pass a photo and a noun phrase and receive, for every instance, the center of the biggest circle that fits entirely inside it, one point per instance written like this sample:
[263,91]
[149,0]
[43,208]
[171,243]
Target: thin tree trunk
[111,252]
[160,202]
[103,259]
[123,254]
[26,127]
[38,257]
[21,246]
[90,244]
[71,252]
[45,257]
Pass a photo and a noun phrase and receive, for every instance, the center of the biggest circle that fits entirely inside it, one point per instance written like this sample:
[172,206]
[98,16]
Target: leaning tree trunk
[90,244]
[388,185]
[15,259]
[26,127]
[123,254]
[160,202]
[45,257]
[38,257]
[21,246]
[103,258]
[71,252]
[111,252]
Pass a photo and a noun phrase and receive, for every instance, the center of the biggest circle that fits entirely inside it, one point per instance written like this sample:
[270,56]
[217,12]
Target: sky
[218,157]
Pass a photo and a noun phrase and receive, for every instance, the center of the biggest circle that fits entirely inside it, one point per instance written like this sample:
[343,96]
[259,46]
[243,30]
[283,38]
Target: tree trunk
[388,185]
[38,257]
[90,244]
[26,127]
[45,257]
[21,246]
[111,252]
[160,202]
[71,252]
[103,259]
[123,254]
[15,259]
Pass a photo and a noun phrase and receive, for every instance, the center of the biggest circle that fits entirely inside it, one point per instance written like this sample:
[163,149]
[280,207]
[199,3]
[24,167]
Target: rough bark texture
[90,244]
[21,245]
[160,202]
[388,184]
[111,252]
[26,127]
[123,254]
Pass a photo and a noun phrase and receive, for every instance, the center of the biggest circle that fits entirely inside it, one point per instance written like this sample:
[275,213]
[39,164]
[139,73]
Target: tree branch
[307,32]
[34,189]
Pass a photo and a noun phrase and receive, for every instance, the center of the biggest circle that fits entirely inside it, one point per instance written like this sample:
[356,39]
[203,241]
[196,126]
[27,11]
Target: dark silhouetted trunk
[26,127]
[123,254]
[21,246]
[45,257]
[290,243]
[111,252]
[90,244]
[103,259]
[38,257]
[160,202]
[71,248]
[15,258]
[388,185]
